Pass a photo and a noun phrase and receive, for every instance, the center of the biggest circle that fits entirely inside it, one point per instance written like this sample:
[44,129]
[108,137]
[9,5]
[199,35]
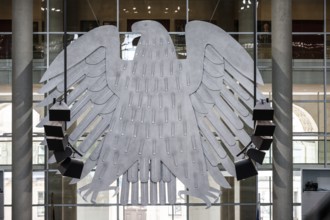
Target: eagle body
[156,119]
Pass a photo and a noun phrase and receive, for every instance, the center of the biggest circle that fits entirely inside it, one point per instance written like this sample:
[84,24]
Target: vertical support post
[22,109]
[65,40]
[282,103]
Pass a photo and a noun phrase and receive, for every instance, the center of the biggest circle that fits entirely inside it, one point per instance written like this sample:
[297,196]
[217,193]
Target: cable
[216,7]
[90,6]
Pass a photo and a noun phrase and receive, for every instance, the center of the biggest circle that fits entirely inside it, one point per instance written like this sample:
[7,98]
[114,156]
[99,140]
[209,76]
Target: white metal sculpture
[156,118]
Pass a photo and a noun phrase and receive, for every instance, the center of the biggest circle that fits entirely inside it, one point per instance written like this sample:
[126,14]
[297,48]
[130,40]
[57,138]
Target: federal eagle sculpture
[155,119]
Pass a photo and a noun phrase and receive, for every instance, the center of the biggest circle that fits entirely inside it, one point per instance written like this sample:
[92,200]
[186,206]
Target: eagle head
[148,27]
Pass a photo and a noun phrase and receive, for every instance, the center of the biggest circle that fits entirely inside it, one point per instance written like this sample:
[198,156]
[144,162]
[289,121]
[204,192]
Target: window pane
[38,192]
[7,188]
[170,13]
[82,16]
[154,212]
[264,13]
[199,212]
[39,49]
[39,15]
[328,150]
[8,213]
[307,151]
[242,212]
[245,188]
[232,16]
[56,44]
[5,46]
[328,117]
[307,15]
[59,189]
[99,213]
[264,46]
[5,150]
[5,10]
[265,186]
[308,117]
[307,46]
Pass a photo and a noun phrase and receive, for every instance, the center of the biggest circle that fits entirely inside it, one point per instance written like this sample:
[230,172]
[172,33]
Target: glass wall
[55,197]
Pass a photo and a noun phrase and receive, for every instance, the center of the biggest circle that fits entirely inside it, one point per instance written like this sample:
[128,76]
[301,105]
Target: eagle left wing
[224,98]
[94,79]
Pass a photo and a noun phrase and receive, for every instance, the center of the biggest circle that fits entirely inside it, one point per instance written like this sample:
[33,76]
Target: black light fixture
[54,129]
[62,155]
[264,128]
[262,142]
[263,111]
[59,112]
[256,155]
[71,167]
[57,143]
[262,139]
[245,168]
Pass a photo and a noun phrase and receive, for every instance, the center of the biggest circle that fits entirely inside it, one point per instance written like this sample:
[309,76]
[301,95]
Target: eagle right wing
[224,98]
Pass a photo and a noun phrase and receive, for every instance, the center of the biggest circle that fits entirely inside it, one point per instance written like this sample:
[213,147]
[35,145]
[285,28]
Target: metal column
[282,103]
[22,109]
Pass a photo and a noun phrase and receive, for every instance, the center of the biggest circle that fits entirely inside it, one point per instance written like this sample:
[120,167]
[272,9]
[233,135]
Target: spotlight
[256,155]
[263,111]
[59,112]
[54,129]
[264,128]
[71,167]
[262,142]
[62,155]
[261,138]
[245,169]
[57,143]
